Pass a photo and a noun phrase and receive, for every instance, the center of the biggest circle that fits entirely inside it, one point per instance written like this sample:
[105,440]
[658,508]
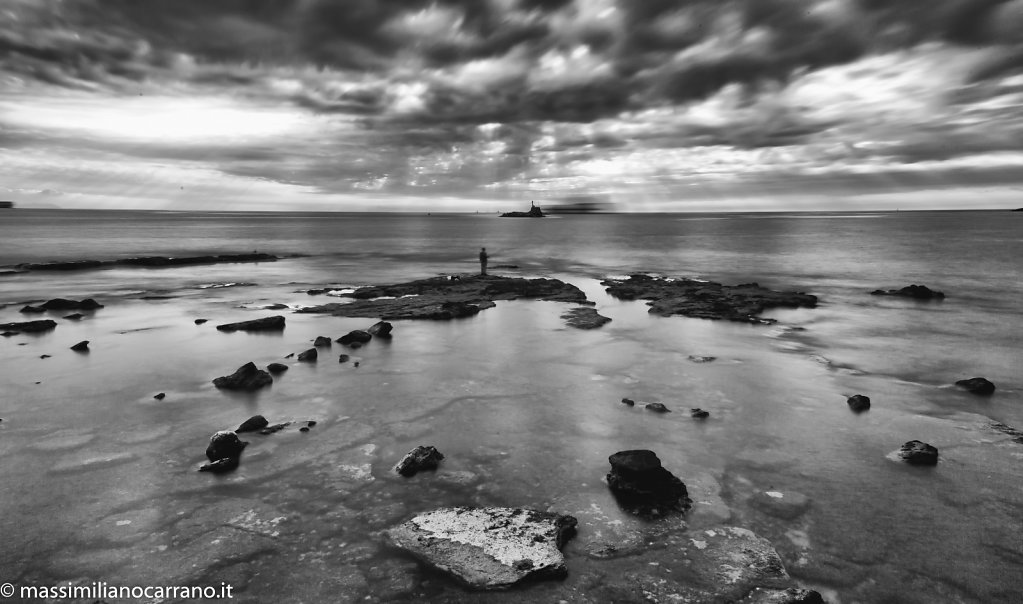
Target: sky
[480,105]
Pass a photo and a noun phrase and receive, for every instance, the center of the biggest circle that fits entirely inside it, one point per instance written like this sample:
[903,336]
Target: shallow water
[525,409]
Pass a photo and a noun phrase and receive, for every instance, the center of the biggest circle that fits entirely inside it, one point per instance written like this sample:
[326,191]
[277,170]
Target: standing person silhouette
[483,261]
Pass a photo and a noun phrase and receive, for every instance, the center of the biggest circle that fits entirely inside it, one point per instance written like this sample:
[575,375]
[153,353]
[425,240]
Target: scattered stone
[418,459]
[917,292]
[918,453]
[82,346]
[256,422]
[698,413]
[304,429]
[786,505]
[381,329]
[274,323]
[321,341]
[488,548]
[160,396]
[643,487]
[628,401]
[274,428]
[74,316]
[356,336]
[658,407]
[276,368]
[248,377]
[584,317]
[200,321]
[308,356]
[224,445]
[706,299]
[343,358]
[977,385]
[698,359]
[29,326]
[858,402]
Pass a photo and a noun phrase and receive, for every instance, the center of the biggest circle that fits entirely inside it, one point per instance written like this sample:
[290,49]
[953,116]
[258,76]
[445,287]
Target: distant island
[6,204]
[534,212]
[1017,210]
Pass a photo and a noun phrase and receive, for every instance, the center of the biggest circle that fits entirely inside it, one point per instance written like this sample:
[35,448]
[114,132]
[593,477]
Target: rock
[792,595]
[918,453]
[308,356]
[706,299]
[643,487]
[8,334]
[658,407]
[311,423]
[698,413]
[200,321]
[225,444]
[418,459]
[82,346]
[534,212]
[274,428]
[355,336]
[304,429]
[858,402]
[274,323]
[977,385]
[343,358]
[220,466]
[355,364]
[74,316]
[321,341]
[160,396]
[64,304]
[917,292]
[786,505]
[584,318]
[256,422]
[277,306]
[381,329]
[628,401]
[488,548]
[29,326]
[698,359]
[149,261]
[248,378]
[289,355]
[44,356]
[276,368]
[29,309]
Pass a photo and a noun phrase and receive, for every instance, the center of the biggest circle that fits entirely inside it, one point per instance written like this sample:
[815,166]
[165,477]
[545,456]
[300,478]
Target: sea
[99,477]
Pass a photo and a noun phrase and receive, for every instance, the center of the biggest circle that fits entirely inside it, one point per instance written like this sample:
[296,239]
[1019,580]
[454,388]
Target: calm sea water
[100,480]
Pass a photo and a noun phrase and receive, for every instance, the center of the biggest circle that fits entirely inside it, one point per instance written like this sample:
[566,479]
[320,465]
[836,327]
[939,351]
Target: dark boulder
[274,323]
[277,306]
[977,385]
[82,346]
[357,335]
[308,356]
[64,304]
[381,329]
[918,453]
[643,487]
[343,358]
[698,413]
[256,422]
[224,445]
[29,326]
[321,341]
[276,368]
[858,402]
[628,401]
[160,396]
[248,377]
[917,292]
[418,459]
[200,321]
[658,408]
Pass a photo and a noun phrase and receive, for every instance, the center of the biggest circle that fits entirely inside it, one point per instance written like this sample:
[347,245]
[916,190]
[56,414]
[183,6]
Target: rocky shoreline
[141,261]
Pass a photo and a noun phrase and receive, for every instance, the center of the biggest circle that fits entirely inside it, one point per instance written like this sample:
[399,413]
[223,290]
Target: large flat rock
[488,548]
[706,299]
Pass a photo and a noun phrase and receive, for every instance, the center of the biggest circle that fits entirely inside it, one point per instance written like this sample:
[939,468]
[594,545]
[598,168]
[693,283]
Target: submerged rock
[321,341]
[256,422]
[706,299]
[584,318]
[29,326]
[917,292]
[309,355]
[657,407]
[418,459]
[858,402]
[76,316]
[160,396]
[276,367]
[29,309]
[698,413]
[82,346]
[248,377]
[274,428]
[918,453]
[225,444]
[781,504]
[628,401]
[977,385]
[642,486]
[274,323]
[381,329]
[488,548]
[355,336]
[700,359]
